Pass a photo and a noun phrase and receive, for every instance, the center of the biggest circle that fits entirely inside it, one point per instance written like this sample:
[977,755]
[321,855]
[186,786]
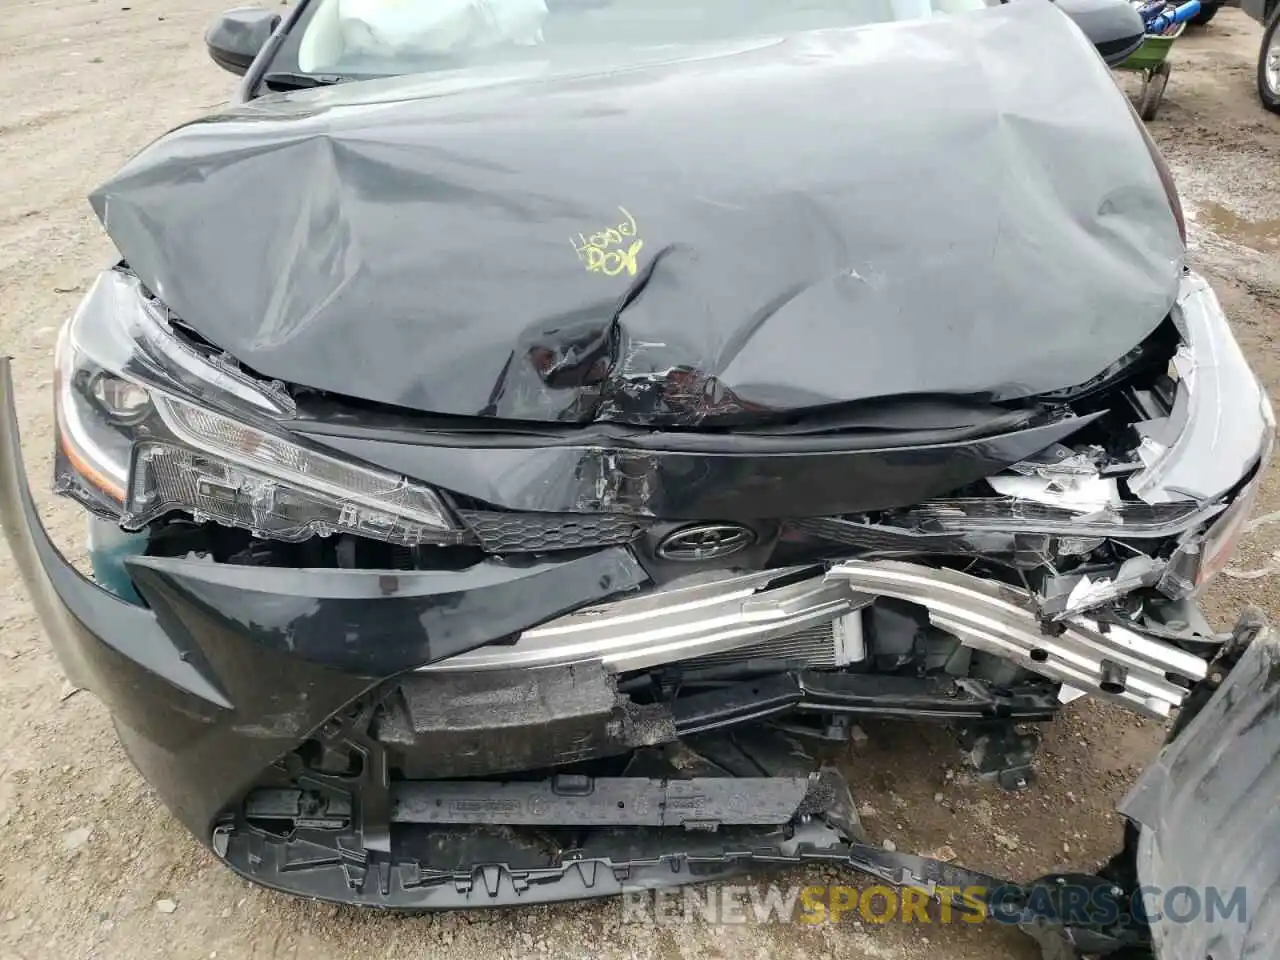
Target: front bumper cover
[230,668]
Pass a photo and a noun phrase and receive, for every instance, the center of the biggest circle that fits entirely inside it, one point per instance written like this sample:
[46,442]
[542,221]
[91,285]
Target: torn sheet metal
[1210,822]
[1069,694]
[698,234]
[1110,660]
[1086,494]
[1069,596]
[1062,461]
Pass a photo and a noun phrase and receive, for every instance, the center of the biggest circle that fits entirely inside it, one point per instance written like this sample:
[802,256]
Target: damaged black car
[514,430]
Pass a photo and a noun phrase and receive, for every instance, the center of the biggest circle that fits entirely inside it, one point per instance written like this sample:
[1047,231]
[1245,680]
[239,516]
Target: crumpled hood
[957,206]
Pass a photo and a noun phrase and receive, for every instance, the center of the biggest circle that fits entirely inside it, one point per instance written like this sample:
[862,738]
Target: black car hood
[955,206]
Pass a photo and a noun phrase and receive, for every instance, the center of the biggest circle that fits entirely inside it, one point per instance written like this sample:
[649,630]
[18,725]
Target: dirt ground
[91,865]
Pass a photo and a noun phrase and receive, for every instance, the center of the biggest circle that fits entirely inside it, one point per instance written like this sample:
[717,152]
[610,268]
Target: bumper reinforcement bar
[1140,672]
[1107,660]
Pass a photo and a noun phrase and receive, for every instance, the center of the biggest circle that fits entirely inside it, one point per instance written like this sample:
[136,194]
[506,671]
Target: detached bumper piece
[739,803]
[704,807]
[1205,813]
[1199,873]
[387,806]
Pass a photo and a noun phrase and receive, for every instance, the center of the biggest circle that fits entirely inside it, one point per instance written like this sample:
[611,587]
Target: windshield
[385,37]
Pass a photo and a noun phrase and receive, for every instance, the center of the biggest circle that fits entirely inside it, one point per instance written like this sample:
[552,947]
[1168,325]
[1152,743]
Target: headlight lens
[93,450]
[133,442]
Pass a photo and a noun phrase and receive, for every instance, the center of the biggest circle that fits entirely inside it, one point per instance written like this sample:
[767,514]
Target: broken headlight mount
[1176,508]
[148,424]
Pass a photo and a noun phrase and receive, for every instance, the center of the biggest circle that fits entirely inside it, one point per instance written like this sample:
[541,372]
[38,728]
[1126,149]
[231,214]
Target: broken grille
[500,532]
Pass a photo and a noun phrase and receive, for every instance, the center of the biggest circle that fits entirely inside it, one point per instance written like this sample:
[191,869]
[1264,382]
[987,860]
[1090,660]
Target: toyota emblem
[706,541]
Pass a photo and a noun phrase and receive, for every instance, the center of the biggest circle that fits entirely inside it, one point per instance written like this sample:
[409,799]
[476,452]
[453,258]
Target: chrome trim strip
[678,624]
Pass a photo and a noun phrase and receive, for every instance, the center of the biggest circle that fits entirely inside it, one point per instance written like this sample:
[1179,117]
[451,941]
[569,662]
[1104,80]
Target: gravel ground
[91,865]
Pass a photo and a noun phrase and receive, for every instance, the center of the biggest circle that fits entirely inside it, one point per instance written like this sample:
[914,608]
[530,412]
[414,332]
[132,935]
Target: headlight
[147,425]
[1221,428]
[1221,424]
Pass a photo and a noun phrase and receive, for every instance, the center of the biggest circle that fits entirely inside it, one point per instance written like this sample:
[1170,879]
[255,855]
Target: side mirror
[1113,26]
[236,37]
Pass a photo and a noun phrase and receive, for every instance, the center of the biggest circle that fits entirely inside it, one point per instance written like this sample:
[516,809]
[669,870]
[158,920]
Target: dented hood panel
[961,206]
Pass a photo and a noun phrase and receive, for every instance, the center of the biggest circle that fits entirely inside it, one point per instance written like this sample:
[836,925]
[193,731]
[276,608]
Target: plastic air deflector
[698,803]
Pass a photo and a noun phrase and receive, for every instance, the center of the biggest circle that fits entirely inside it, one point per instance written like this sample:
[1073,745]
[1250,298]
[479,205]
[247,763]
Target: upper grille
[534,532]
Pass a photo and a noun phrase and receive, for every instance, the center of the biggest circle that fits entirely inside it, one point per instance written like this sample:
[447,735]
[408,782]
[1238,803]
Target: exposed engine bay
[1073,565]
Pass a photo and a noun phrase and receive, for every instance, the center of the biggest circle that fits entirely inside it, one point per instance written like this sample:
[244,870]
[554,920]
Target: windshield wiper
[281,80]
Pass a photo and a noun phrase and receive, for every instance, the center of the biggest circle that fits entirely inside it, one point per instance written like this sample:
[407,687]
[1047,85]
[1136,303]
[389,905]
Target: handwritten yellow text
[612,250]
